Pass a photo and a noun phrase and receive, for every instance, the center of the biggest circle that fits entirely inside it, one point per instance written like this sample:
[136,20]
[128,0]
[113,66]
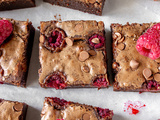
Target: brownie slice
[72,54]
[11,110]
[130,68]
[60,109]
[89,6]
[16,4]
[15,53]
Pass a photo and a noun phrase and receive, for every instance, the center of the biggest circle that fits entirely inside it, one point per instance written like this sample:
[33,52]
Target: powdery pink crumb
[133,107]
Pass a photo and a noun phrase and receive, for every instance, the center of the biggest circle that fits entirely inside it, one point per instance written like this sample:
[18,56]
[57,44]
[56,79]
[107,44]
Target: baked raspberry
[5,30]
[148,44]
[100,82]
[152,84]
[97,44]
[103,113]
[59,101]
[1,83]
[56,80]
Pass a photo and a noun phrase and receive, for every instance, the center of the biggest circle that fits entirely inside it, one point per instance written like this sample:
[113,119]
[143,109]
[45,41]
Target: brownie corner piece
[16,4]
[89,6]
[15,51]
[72,54]
[12,110]
[71,110]
[129,66]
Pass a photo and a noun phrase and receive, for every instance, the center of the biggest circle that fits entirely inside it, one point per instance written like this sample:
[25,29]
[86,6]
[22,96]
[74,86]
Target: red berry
[148,44]
[59,101]
[103,113]
[100,82]
[5,30]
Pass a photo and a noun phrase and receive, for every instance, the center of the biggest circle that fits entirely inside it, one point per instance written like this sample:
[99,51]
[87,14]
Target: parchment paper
[115,11]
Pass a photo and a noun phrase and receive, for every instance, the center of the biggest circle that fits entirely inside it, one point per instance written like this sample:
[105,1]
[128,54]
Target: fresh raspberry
[56,81]
[97,45]
[5,30]
[100,82]
[148,44]
[103,113]
[59,101]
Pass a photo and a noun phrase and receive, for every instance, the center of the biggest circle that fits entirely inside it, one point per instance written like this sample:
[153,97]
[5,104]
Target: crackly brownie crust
[65,62]
[16,53]
[55,108]
[16,4]
[124,39]
[12,110]
[90,6]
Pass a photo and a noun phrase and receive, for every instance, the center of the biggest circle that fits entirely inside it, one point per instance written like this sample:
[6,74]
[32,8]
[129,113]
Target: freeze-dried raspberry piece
[5,30]
[148,44]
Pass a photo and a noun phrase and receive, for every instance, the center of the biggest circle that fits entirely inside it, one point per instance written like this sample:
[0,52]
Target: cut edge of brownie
[61,104]
[81,6]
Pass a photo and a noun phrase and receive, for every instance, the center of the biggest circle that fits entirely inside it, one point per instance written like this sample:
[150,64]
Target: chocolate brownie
[11,110]
[72,54]
[89,6]
[133,71]
[60,109]
[15,50]
[16,4]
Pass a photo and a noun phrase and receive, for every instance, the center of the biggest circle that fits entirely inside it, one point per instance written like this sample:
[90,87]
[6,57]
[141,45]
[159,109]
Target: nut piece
[92,52]
[121,40]
[41,39]
[85,69]
[69,41]
[134,64]
[85,116]
[157,77]
[95,40]
[147,73]
[121,46]
[18,107]
[119,36]
[83,56]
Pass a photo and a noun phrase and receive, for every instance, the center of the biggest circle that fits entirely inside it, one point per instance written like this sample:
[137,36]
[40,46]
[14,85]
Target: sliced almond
[147,73]
[121,46]
[41,39]
[150,78]
[18,107]
[83,56]
[157,77]
[92,52]
[121,40]
[69,41]
[95,40]
[119,36]
[134,64]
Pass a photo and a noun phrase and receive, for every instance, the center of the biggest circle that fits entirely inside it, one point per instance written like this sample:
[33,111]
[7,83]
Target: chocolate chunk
[147,73]
[95,40]
[92,52]
[157,76]
[83,56]
[69,41]
[134,64]
[85,116]
[18,107]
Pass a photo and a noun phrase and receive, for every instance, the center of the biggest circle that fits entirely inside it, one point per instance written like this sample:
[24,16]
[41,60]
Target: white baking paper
[115,11]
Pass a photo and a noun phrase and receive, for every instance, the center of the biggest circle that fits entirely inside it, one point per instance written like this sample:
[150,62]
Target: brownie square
[16,4]
[11,110]
[89,6]
[72,54]
[15,53]
[128,65]
[60,109]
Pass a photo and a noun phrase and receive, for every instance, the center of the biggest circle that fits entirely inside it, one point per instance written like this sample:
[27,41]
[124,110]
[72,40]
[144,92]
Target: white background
[115,11]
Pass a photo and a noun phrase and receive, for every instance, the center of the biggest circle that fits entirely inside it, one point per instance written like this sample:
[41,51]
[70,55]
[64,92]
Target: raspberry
[5,30]
[100,82]
[148,44]
[103,113]
[97,45]
[59,101]
[56,81]
[1,82]
[151,84]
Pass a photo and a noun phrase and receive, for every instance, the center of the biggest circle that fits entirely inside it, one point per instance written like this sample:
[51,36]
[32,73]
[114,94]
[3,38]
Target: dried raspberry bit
[104,113]
[5,30]
[96,41]
[100,82]
[56,41]
[59,101]
[56,80]
[148,44]
[133,108]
